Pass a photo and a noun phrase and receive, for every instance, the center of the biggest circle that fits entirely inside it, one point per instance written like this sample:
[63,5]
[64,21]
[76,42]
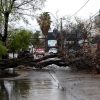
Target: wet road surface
[57,84]
[37,85]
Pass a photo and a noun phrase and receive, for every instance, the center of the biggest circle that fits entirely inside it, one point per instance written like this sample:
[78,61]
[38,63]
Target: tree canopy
[44,21]
[19,40]
[17,8]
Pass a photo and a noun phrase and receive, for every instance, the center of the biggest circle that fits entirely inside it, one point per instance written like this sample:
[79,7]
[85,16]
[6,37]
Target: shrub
[3,50]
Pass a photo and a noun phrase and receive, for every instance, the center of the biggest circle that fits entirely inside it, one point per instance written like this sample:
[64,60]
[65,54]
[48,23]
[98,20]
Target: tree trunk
[6,16]
[13,55]
[46,43]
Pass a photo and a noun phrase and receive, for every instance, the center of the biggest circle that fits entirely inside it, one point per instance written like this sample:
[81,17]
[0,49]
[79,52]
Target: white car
[52,51]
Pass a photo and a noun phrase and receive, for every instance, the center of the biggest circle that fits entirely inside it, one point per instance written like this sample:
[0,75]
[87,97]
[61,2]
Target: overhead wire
[81,8]
[94,15]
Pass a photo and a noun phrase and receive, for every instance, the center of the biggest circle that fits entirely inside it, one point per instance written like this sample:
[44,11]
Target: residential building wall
[97,24]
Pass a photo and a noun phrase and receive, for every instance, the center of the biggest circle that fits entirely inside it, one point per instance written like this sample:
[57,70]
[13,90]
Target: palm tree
[44,21]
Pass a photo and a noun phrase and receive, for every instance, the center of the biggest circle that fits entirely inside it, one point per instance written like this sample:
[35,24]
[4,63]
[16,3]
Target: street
[52,84]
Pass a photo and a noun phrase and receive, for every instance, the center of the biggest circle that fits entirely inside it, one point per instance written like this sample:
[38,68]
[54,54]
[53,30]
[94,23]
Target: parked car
[40,51]
[52,50]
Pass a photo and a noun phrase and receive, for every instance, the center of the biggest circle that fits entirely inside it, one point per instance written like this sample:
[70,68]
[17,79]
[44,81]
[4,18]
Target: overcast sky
[69,7]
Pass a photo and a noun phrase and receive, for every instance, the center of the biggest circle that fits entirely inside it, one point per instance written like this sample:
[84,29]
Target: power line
[80,8]
[94,15]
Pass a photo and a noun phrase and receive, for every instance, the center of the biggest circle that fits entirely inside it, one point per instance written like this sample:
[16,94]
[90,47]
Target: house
[72,40]
[52,39]
[97,24]
[97,29]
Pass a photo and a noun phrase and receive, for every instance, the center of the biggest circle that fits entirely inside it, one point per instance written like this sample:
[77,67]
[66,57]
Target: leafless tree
[18,9]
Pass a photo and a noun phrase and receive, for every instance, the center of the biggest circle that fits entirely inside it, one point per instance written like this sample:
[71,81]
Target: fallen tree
[82,62]
[28,60]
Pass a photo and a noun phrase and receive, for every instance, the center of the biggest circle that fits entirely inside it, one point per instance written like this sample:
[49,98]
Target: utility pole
[62,37]
[61,46]
[61,24]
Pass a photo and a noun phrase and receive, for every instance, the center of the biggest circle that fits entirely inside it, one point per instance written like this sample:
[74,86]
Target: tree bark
[6,16]
[46,44]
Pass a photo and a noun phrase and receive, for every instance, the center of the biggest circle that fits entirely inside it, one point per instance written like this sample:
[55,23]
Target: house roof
[52,36]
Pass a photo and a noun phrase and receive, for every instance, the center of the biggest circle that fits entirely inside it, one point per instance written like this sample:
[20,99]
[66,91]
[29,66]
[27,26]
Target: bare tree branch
[24,3]
[24,14]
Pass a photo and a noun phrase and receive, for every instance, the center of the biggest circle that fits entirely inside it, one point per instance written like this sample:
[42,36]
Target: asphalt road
[52,84]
